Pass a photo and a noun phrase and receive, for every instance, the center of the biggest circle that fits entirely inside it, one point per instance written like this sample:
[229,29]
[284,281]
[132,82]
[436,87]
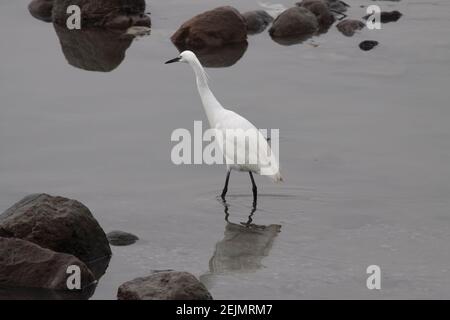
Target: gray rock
[164,285]
[120,14]
[348,27]
[25,264]
[120,238]
[56,223]
[257,21]
[294,22]
[41,9]
[214,28]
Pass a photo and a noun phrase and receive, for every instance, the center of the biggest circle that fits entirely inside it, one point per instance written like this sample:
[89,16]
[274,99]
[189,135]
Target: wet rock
[219,57]
[25,264]
[348,27]
[386,17]
[214,28]
[120,238]
[93,49]
[58,224]
[165,285]
[368,45]
[320,9]
[120,14]
[257,21]
[293,23]
[41,9]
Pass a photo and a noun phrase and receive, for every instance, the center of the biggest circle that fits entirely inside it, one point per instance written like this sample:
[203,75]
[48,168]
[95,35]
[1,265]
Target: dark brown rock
[41,9]
[165,285]
[348,27]
[320,9]
[257,21]
[294,22]
[119,14]
[25,264]
[214,28]
[56,223]
[120,238]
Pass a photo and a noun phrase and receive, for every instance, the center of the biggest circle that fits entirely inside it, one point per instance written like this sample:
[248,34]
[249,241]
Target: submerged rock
[214,28]
[120,14]
[348,27]
[25,264]
[386,17]
[295,23]
[93,49]
[368,45]
[165,285]
[41,9]
[257,21]
[320,9]
[120,238]
[56,223]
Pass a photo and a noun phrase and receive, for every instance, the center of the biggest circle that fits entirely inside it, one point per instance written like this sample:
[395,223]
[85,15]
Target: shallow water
[365,152]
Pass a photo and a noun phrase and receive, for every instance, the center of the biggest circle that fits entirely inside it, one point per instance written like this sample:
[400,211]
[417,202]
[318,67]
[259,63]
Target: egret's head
[186,57]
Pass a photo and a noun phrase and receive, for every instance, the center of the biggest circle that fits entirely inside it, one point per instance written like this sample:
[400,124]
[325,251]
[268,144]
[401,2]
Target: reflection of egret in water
[94,49]
[242,248]
[218,57]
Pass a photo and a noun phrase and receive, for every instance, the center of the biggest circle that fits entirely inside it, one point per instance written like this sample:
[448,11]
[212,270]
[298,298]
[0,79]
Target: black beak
[173,60]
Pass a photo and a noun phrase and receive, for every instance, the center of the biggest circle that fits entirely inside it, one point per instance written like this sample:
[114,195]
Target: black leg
[225,189]
[254,189]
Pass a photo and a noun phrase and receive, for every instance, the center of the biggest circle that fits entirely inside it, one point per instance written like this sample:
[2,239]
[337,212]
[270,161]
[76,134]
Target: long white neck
[209,101]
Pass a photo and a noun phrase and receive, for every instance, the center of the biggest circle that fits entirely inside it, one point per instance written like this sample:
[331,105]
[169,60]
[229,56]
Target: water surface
[365,152]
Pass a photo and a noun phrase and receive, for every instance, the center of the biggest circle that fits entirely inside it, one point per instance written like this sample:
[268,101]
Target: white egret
[254,148]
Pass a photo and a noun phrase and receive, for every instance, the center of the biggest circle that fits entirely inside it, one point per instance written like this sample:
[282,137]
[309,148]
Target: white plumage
[246,143]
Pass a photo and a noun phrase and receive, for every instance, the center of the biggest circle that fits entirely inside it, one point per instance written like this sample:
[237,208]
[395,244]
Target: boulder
[368,45]
[41,9]
[348,27]
[25,264]
[120,14]
[214,28]
[58,224]
[120,238]
[165,285]
[294,22]
[320,9]
[257,21]
[93,49]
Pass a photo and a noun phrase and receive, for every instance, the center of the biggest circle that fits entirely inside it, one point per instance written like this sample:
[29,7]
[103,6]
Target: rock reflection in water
[45,294]
[94,49]
[219,57]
